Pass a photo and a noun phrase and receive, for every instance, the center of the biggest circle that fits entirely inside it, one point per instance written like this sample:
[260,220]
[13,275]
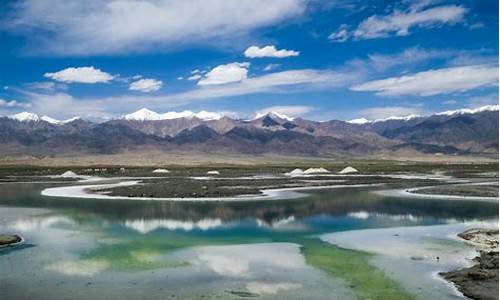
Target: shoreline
[479,281]
[10,240]
[81,191]
[411,193]
[417,248]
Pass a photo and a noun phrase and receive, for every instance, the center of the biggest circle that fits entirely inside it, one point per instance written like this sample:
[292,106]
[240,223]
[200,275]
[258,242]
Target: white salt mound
[348,170]
[161,171]
[316,171]
[295,172]
[69,174]
[213,173]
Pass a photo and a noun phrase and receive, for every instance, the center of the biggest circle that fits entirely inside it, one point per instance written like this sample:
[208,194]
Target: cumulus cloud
[287,110]
[13,104]
[80,75]
[146,85]
[228,73]
[269,51]
[434,82]
[399,22]
[104,107]
[96,27]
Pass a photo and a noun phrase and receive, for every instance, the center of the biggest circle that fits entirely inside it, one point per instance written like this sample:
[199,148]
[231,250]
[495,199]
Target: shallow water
[119,249]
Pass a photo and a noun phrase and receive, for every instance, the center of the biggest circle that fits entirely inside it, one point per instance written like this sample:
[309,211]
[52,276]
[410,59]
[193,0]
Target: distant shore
[158,158]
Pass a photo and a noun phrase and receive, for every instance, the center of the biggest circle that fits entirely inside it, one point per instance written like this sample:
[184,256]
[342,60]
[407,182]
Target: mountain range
[460,132]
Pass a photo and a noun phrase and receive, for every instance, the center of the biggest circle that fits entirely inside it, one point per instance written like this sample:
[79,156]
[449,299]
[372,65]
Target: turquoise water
[102,249]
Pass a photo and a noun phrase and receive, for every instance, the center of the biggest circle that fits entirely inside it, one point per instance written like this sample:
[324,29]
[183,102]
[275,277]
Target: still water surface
[118,249]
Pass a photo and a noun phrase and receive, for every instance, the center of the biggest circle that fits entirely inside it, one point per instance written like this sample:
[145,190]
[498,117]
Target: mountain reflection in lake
[195,250]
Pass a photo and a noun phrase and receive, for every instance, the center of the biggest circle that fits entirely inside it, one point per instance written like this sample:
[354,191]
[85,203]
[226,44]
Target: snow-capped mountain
[58,122]
[460,132]
[25,117]
[145,114]
[361,121]
[468,110]
[273,114]
[31,117]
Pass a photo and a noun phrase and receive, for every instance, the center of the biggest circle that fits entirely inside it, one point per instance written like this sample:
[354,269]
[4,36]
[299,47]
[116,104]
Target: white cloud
[473,58]
[269,51]
[272,82]
[194,77]
[377,113]
[408,56]
[340,35]
[450,102]
[146,85]
[287,110]
[400,22]
[228,73]
[13,104]
[434,82]
[482,100]
[271,67]
[122,26]
[63,106]
[80,75]
[43,86]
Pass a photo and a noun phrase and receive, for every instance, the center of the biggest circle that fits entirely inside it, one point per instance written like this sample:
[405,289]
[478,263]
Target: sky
[319,60]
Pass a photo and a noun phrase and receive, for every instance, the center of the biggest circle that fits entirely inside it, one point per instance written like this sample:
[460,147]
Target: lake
[279,249]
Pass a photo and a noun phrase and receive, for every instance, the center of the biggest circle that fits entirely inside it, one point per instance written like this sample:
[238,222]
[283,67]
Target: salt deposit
[69,174]
[316,171]
[161,171]
[348,170]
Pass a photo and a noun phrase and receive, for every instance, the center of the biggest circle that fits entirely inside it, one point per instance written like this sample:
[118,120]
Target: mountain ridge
[464,132]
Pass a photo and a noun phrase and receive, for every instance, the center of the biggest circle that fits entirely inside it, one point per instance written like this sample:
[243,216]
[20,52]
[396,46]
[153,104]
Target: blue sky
[317,59]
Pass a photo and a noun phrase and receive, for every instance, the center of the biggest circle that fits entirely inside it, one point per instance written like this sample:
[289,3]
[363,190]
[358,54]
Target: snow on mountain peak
[58,122]
[25,117]
[468,110]
[273,114]
[207,115]
[31,117]
[359,121]
[145,114]
[444,113]
[402,118]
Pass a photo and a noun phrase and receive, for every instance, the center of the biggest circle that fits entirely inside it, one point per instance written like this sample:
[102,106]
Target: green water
[102,249]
